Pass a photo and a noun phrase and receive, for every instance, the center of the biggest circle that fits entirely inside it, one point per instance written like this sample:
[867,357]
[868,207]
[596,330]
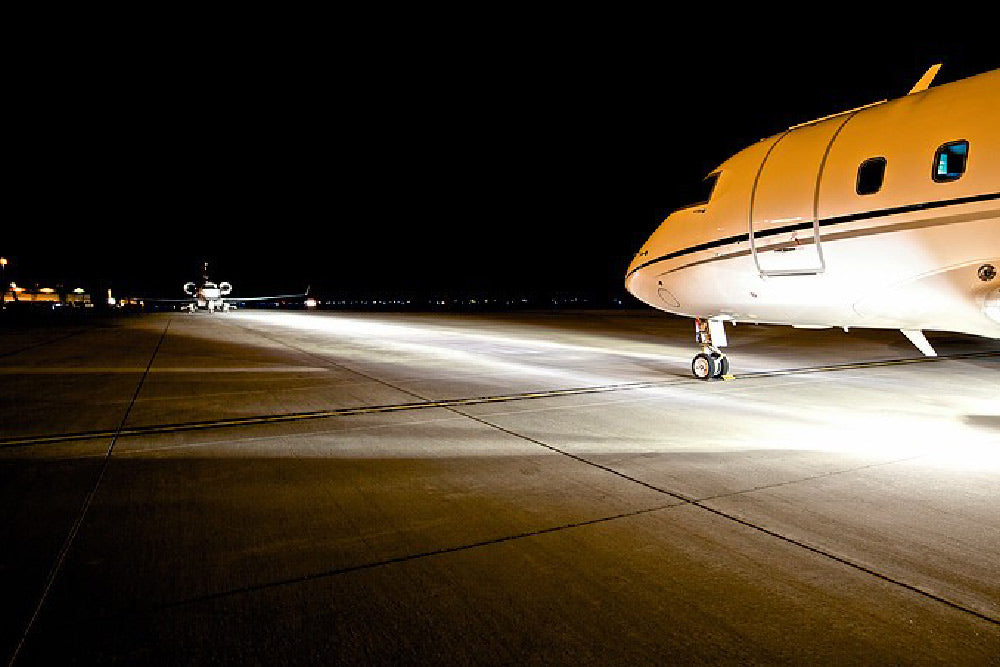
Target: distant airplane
[884,216]
[211,296]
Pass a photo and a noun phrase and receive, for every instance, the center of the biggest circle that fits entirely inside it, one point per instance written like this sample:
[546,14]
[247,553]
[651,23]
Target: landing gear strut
[711,363]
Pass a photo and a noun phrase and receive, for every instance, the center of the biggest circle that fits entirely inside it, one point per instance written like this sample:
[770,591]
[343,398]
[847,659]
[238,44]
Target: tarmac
[273,487]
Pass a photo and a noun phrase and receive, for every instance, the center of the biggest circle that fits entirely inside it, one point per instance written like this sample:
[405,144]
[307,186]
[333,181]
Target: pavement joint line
[681,498]
[849,563]
[319,414]
[230,441]
[45,342]
[680,501]
[811,478]
[88,499]
[700,503]
[313,576]
[677,496]
[444,403]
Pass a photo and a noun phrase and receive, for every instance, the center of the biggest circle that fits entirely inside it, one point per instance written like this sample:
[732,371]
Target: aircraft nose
[637,263]
[639,258]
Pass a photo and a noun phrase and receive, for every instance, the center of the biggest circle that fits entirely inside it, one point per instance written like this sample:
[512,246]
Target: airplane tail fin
[925,80]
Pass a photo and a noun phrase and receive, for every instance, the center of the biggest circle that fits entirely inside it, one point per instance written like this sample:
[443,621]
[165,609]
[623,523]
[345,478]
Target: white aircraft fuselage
[886,216]
[208,296]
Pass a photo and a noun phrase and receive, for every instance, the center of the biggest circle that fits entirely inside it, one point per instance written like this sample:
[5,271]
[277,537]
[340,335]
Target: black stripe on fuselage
[838,220]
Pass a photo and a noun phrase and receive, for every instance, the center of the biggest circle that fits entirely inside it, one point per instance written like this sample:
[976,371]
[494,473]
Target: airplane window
[870,175]
[949,161]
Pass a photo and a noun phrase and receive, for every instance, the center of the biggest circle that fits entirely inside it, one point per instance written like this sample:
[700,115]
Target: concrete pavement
[839,513]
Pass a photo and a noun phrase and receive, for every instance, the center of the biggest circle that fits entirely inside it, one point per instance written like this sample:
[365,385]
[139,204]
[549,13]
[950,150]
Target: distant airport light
[310,303]
[47,290]
[78,290]
[3,261]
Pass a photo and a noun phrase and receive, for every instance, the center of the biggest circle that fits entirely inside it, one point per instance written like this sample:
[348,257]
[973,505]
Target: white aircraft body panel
[915,289]
[788,236]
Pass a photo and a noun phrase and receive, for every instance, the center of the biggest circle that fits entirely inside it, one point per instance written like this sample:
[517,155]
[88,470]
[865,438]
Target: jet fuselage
[887,216]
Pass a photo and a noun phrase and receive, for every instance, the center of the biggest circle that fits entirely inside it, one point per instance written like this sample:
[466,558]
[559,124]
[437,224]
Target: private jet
[212,296]
[884,216]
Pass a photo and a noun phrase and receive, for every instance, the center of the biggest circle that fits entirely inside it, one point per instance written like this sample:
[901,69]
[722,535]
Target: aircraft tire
[721,365]
[704,366]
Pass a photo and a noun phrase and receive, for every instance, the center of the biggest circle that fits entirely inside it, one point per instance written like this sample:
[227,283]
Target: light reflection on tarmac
[495,488]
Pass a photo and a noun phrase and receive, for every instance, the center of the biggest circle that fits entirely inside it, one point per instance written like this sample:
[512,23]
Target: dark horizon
[452,168]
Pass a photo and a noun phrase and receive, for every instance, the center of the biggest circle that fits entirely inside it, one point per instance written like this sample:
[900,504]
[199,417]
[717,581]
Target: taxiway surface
[275,487]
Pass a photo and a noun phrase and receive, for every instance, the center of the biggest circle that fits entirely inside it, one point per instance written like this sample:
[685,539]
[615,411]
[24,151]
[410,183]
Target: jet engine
[225,288]
[189,289]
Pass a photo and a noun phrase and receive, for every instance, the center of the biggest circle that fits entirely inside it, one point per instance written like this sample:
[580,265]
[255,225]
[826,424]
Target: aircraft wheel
[721,364]
[704,366]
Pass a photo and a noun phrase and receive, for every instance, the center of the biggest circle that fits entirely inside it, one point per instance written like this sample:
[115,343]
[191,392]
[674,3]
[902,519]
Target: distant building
[77,298]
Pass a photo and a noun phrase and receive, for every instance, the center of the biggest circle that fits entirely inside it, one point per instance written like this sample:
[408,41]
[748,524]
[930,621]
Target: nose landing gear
[711,363]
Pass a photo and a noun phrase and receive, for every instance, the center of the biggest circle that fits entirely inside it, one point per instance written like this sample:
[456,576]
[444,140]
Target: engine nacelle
[189,289]
[225,288]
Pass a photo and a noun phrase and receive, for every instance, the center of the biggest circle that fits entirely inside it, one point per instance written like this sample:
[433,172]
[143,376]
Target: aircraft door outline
[794,253]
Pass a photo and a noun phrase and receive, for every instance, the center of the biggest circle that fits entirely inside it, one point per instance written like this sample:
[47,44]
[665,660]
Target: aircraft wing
[156,300]
[230,297]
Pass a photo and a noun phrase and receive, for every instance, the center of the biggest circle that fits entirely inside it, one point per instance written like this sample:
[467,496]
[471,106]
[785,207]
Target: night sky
[432,154]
